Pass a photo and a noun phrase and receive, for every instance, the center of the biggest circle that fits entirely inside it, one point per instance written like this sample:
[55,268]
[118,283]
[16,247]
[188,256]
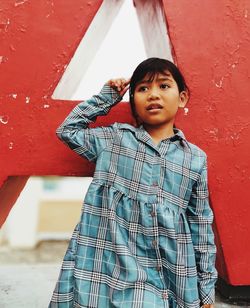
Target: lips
[154,106]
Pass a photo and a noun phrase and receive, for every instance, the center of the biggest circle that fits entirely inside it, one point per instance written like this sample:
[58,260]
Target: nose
[153,95]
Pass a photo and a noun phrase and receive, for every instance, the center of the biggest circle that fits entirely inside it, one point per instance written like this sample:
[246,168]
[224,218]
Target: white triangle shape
[112,47]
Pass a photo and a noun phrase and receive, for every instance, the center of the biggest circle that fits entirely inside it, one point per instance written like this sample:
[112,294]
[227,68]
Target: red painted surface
[211,41]
[38,39]
[211,44]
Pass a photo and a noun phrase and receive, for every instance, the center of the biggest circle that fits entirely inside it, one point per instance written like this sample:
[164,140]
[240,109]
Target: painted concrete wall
[211,43]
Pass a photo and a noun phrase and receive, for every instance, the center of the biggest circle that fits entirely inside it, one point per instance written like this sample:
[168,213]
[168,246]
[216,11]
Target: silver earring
[186,110]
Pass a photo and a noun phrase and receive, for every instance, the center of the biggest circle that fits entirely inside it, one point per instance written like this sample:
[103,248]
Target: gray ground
[28,277]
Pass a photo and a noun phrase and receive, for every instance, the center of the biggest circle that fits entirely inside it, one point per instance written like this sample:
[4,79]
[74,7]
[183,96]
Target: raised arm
[75,131]
[200,217]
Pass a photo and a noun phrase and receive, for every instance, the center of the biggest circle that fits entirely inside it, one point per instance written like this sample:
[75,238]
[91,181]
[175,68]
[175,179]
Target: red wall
[211,42]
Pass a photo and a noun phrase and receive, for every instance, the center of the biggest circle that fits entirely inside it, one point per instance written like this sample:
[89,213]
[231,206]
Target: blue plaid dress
[145,238]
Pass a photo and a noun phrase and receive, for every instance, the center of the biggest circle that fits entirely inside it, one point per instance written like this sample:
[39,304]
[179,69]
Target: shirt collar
[178,135]
[142,134]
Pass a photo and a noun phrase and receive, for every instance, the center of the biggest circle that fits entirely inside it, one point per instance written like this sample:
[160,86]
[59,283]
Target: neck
[159,132]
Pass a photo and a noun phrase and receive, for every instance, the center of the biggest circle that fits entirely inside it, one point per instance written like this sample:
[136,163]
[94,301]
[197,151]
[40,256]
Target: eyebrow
[165,77]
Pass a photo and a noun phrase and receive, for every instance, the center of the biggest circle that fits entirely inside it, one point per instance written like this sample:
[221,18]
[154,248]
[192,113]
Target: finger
[118,84]
[110,82]
[127,81]
[124,90]
[113,84]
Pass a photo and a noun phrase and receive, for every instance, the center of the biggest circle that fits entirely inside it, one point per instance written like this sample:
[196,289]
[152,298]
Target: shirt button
[158,268]
[154,243]
[153,214]
[164,295]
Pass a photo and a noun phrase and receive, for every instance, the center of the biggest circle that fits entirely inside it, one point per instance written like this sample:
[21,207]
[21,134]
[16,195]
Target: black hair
[151,67]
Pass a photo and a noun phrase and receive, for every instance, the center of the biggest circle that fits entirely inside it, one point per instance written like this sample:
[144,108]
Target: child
[145,238]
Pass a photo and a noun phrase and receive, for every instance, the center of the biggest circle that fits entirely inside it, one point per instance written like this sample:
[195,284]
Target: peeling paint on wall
[4,119]
[17,3]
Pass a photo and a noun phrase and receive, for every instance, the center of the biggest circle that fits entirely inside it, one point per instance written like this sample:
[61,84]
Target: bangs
[150,76]
[151,67]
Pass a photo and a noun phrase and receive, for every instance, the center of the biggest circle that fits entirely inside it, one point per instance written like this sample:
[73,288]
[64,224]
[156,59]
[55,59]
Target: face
[157,101]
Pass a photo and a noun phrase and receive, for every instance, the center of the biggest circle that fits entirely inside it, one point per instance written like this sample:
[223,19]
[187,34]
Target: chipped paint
[235,50]
[214,133]
[4,119]
[18,3]
[22,29]
[4,25]
[219,83]
[12,48]
[234,64]
[3,59]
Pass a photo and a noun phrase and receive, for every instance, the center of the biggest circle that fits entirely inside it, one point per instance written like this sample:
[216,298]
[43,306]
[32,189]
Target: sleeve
[200,218]
[75,131]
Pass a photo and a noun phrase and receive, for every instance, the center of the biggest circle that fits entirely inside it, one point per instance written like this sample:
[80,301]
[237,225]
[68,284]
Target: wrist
[110,94]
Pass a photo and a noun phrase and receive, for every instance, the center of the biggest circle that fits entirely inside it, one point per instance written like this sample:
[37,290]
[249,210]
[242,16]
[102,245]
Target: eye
[142,89]
[164,86]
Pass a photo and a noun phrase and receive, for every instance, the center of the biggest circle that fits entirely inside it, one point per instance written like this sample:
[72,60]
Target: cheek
[139,100]
[174,109]
[139,110]
[133,106]
[136,104]
[136,99]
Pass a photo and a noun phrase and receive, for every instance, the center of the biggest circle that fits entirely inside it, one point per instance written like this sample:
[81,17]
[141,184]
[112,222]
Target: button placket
[154,224]
[155,244]
[156,171]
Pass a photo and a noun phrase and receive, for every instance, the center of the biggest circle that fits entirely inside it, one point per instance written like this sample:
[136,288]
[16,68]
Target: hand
[121,85]
[208,306]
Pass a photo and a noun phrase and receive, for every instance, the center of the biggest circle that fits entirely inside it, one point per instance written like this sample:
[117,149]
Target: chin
[156,123]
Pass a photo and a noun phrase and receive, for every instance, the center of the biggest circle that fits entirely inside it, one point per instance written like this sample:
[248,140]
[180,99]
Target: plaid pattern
[145,238]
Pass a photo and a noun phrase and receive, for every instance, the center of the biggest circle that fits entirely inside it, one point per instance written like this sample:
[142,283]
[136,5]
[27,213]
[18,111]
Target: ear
[183,99]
